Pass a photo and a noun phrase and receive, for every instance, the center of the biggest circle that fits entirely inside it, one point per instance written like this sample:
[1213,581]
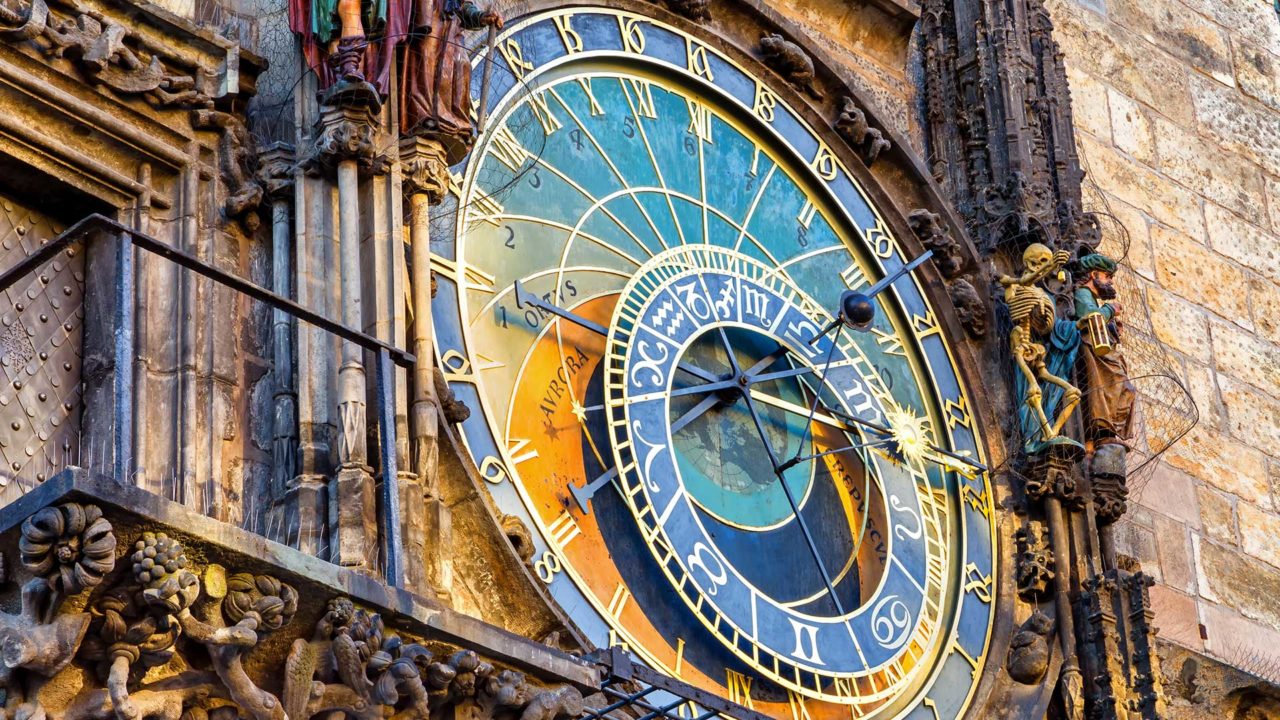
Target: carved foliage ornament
[168,642]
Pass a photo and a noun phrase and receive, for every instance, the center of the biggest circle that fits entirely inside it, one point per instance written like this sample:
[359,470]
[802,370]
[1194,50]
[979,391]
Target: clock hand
[584,494]
[524,297]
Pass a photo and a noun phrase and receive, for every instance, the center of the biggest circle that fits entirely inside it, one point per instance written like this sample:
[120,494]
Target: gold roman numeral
[799,711]
[508,148]
[699,119]
[564,529]
[541,108]
[591,96]
[642,91]
[739,687]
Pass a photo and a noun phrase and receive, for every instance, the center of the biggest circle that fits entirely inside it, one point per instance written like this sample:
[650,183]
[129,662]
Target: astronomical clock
[710,379]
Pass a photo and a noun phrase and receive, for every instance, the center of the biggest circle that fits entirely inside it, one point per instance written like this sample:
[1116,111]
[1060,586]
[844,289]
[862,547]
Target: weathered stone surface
[1198,274]
[1227,465]
[1258,73]
[1246,243]
[1245,356]
[1174,28]
[1177,616]
[1202,382]
[1242,583]
[1259,533]
[1241,124]
[1249,20]
[1264,303]
[1218,515]
[1138,543]
[1131,128]
[1143,188]
[1201,166]
[1171,492]
[1273,201]
[1089,104]
[1253,417]
[1179,324]
[1173,546]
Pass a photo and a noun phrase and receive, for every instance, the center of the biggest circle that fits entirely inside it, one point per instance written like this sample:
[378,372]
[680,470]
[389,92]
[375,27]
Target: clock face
[648,246]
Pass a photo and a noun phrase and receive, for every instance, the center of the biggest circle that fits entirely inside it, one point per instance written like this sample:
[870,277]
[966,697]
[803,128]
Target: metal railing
[387,356]
[637,692]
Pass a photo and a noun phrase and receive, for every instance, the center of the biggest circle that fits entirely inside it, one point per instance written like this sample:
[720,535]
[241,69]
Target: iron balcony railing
[97,228]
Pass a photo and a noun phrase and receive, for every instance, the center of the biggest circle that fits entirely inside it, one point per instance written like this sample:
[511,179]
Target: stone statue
[1111,396]
[435,80]
[1041,366]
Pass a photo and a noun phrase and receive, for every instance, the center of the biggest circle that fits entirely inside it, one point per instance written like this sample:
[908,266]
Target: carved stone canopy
[134,607]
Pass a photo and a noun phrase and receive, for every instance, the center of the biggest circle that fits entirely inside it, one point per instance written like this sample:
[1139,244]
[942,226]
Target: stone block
[1177,616]
[1125,234]
[1241,124]
[1174,550]
[1253,417]
[1202,166]
[1264,303]
[1242,582]
[1246,243]
[1179,324]
[1130,127]
[1187,268]
[1258,73]
[1142,188]
[1253,21]
[1089,106]
[1138,543]
[1103,49]
[1202,383]
[1176,29]
[1216,459]
[1272,194]
[1246,356]
[1218,515]
[1260,533]
[1170,492]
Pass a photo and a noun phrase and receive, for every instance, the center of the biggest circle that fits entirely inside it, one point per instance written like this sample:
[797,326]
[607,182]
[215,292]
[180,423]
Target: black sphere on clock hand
[856,310]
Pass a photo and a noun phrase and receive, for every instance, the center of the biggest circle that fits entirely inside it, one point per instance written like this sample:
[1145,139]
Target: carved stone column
[347,140]
[425,178]
[275,172]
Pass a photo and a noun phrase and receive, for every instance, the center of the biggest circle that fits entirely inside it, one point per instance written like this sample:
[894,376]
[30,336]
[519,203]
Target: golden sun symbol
[912,434]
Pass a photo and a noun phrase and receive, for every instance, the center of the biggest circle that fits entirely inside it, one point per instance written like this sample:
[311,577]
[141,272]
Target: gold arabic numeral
[642,91]
[932,705]
[570,37]
[592,103]
[508,149]
[493,471]
[880,240]
[977,583]
[632,35]
[739,686]
[514,55]
[563,530]
[541,107]
[679,656]
[957,413]
[765,104]
[824,163]
[799,711]
[889,343]
[978,500]
[516,451]
[699,63]
[548,566]
[699,119]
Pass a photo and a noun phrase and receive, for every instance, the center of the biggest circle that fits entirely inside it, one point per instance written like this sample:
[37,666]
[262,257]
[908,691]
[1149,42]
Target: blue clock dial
[657,403]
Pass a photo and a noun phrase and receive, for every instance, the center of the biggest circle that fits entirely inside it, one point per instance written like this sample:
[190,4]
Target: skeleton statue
[1034,320]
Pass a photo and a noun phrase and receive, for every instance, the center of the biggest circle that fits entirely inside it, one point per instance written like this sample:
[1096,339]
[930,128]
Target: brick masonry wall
[1177,109]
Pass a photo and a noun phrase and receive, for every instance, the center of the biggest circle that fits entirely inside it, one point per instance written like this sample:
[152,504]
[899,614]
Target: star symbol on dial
[580,412]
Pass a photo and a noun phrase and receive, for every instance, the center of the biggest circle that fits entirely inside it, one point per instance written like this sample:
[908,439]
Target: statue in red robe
[350,40]
[435,78]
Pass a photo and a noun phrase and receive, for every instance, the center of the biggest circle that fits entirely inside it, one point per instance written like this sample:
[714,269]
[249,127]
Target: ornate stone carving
[1029,650]
[236,154]
[1107,471]
[1035,563]
[1118,646]
[105,52]
[852,125]
[695,10]
[790,61]
[516,531]
[275,171]
[970,310]
[67,549]
[1056,473]
[1034,319]
[424,168]
[169,640]
[927,226]
[348,133]
[453,410]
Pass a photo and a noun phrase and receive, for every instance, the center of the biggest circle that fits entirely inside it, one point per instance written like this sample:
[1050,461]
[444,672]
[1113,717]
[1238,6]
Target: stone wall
[1177,109]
